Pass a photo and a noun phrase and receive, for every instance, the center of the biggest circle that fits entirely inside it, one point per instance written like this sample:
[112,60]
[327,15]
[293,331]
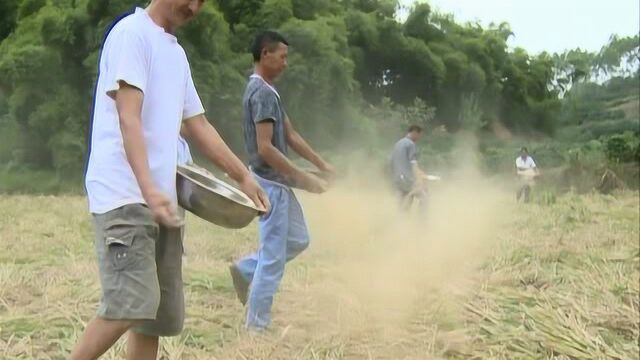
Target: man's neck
[157,16]
[263,74]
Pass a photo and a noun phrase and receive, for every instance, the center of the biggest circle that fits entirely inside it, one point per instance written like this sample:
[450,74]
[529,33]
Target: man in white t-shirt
[184,154]
[527,172]
[144,95]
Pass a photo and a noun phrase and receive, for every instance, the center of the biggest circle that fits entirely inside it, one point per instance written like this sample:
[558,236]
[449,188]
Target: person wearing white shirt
[184,154]
[144,95]
[526,171]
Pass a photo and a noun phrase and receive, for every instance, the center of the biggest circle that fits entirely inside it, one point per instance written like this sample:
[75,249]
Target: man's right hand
[420,185]
[311,183]
[129,101]
[162,209]
[253,190]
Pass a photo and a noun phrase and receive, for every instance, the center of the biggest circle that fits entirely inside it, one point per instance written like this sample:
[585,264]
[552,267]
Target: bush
[622,148]
[611,127]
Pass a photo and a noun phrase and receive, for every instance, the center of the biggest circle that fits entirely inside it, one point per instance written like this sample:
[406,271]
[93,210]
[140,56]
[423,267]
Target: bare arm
[213,147]
[417,172]
[216,150]
[300,146]
[270,154]
[535,168]
[413,159]
[129,106]
[278,161]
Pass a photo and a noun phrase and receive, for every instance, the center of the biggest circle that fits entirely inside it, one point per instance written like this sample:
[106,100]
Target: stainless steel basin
[212,199]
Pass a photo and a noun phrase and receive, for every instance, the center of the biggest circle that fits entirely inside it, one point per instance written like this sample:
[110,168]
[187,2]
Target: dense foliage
[356,72]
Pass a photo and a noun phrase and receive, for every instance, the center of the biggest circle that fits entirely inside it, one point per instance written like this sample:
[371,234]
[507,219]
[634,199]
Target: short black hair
[266,39]
[524,148]
[415,128]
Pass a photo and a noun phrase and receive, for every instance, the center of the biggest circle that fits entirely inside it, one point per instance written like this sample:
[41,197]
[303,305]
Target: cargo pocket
[119,240]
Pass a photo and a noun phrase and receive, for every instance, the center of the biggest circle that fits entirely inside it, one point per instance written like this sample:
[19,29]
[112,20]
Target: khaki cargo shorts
[140,266]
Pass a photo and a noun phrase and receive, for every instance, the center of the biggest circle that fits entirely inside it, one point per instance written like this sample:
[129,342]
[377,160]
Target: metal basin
[212,199]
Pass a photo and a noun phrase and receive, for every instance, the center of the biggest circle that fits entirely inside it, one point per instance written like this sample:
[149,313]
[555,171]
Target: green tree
[352,67]
[8,13]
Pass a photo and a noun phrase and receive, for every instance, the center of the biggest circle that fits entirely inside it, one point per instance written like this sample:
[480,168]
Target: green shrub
[622,148]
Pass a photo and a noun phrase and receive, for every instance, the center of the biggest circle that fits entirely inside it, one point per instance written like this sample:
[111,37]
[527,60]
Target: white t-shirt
[184,155]
[526,164]
[140,53]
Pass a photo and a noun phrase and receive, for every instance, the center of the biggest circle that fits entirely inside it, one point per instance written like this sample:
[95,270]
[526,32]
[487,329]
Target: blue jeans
[283,235]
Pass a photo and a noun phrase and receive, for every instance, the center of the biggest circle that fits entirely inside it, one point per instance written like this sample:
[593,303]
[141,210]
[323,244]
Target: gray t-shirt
[404,153]
[262,103]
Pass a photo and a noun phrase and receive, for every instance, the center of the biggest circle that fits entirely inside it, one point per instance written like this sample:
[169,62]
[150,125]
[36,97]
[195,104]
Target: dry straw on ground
[478,278]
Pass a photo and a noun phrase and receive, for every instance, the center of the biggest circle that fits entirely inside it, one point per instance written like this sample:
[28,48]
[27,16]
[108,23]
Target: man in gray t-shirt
[268,133]
[261,102]
[404,164]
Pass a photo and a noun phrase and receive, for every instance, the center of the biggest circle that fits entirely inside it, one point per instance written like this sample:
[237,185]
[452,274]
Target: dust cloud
[378,264]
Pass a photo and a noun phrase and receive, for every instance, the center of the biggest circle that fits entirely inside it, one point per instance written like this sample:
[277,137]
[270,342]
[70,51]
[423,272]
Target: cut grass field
[558,281]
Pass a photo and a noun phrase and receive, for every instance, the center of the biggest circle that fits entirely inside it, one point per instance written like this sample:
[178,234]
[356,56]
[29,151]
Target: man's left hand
[328,170]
